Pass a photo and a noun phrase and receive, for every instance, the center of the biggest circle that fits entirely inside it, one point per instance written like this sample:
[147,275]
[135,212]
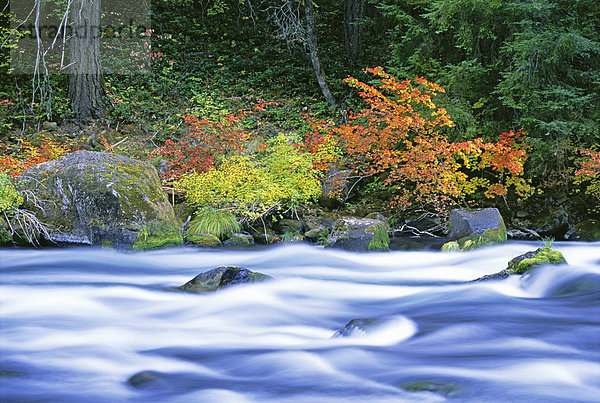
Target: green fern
[548,242]
[220,223]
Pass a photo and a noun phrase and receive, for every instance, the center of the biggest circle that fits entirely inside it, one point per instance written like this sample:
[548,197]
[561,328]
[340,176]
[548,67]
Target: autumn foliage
[399,136]
[206,141]
[15,160]
[589,172]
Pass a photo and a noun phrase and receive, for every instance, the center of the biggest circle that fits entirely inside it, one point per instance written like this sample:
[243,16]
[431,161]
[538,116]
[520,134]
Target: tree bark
[311,43]
[354,11]
[86,85]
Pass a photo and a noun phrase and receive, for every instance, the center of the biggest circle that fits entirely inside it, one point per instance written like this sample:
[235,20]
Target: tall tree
[354,12]
[86,86]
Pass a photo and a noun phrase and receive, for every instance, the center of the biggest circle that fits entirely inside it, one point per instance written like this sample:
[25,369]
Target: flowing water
[99,325]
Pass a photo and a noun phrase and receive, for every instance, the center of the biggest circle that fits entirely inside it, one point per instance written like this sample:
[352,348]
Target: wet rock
[359,234]
[94,198]
[222,276]
[471,229]
[439,387]
[203,240]
[239,241]
[588,230]
[358,327]
[145,378]
[317,235]
[525,262]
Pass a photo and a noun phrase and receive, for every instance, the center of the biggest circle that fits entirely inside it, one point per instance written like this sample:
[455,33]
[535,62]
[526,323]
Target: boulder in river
[94,198]
[474,228]
[525,262]
[222,276]
[359,234]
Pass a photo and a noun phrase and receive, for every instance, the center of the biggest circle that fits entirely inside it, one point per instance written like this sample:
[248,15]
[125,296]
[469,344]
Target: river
[93,325]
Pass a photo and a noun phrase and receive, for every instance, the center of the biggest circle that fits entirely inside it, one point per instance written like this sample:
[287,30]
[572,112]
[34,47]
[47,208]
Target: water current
[87,325]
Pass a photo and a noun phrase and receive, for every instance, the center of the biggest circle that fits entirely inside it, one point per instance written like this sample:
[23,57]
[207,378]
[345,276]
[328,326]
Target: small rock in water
[222,276]
[357,327]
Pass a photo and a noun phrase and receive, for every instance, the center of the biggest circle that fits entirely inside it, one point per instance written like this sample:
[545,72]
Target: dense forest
[262,107]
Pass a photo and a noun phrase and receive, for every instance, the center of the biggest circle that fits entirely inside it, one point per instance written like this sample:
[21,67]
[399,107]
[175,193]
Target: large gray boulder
[93,198]
[474,228]
[359,234]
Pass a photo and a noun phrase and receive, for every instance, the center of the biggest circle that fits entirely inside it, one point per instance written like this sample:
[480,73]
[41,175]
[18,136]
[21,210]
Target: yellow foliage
[252,187]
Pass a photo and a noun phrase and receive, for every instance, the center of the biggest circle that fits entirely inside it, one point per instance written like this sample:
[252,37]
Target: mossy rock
[203,240]
[484,227]
[588,231]
[90,197]
[317,235]
[222,276]
[381,238]
[157,236]
[542,256]
[239,241]
[359,234]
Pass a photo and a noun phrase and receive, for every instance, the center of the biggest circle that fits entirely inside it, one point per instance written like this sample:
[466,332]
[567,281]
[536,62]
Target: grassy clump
[220,223]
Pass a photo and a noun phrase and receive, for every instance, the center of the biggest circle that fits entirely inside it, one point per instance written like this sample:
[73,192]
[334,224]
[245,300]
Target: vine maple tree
[399,136]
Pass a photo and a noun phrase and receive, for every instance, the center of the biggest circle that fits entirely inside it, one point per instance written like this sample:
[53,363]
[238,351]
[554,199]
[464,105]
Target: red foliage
[17,159]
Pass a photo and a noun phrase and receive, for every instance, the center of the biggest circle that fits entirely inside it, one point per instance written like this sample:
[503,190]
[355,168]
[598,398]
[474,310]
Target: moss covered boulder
[541,256]
[525,262]
[220,277]
[359,234]
[471,229]
[92,198]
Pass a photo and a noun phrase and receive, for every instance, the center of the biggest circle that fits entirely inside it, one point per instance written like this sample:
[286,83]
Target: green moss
[381,239]
[204,240]
[489,237]
[107,243]
[157,236]
[451,246]
[546,256]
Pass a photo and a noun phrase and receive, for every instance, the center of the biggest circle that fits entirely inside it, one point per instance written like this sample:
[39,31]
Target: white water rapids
[77,325]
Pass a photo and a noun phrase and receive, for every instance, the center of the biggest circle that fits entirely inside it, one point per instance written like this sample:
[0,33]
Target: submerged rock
[220,277]
[93,198]
[471,229]
[438,387]
[358,327]
[359,234]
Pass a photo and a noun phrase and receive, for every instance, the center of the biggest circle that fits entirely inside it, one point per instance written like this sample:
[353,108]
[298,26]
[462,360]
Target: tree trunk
[354,11]
[311,43]
[86,86]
